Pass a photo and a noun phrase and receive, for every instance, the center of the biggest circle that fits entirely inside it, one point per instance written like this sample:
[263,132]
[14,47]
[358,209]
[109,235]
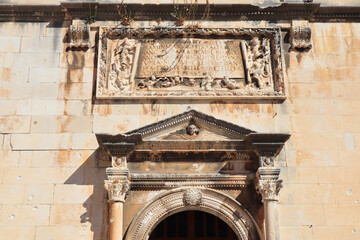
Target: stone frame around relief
[117,66]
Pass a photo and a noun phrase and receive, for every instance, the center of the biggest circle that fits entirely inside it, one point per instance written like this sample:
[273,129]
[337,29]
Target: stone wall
[52,188]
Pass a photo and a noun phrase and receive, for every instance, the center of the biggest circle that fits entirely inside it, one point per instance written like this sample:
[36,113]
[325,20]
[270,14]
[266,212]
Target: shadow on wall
[96,205]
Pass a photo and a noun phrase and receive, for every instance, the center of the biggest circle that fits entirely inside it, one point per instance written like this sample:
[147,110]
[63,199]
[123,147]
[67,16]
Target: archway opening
[192,225]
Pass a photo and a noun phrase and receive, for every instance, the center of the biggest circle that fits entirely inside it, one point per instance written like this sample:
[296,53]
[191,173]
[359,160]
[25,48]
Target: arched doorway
[192,225]
[185,199]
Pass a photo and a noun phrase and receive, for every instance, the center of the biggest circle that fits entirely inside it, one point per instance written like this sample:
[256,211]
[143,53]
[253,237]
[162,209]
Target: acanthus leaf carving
[117,189]
[79,34]
[269,189]
[300,36]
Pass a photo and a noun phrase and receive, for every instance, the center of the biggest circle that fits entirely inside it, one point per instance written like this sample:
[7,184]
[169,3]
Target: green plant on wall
[126,16]
[91,17]
[187,10]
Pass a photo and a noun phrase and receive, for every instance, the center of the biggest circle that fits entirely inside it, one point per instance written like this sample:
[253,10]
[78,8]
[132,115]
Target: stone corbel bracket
[79,34]
[300,36]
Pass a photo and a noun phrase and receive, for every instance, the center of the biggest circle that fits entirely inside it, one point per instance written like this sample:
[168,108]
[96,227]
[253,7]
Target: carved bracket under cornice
[79,34]
[300,35]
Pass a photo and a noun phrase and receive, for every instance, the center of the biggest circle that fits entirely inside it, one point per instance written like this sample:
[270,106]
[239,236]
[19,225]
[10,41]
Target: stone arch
[193,198]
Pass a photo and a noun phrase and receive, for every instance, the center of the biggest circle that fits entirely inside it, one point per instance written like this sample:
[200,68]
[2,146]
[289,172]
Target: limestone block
[349,107]
[51,31]
[43,175]
[78,91]
[39,193]
[7,142]
[45,124]
[24,215]
[45,90]
[56,232]
[353,91]
[114,124]
[320,141]
[349,141]
[342,214]
[77,75]
[1,140]
[339,175]
[340,60]
[7,60]
[9,158]
[78,107]
[37,141]
[347,193]
[25,159]
[22,28]
[296,232]
[40,107]
[76,124]
[75,158]
[343,74]
[316,158]
[42,44]
[317,90]
[64,194]
[84,141]
[350,158]
[41,59]
[9,44]
[289,194]
[77,59]
[305,124]
[11,193]
[75,214]
[18,232]
[47,75]
[8,107]
[295,215]
[46,159]
[15,124]
[14,75]
[299,175]
[316,193]
[334,232]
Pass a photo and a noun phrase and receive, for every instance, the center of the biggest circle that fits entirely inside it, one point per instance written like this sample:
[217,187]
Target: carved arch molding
[190,198]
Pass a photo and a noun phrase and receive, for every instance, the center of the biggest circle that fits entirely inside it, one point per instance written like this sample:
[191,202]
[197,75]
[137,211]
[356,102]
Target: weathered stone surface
[40,141]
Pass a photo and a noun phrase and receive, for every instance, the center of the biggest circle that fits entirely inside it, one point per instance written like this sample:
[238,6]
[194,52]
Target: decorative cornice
[108,12]
[142,181]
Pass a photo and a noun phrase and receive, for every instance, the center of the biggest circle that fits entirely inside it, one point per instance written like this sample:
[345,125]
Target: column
[268,186]
[117,187]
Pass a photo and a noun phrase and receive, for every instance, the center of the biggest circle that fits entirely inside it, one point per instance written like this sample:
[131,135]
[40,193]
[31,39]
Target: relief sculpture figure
[121,66]
[258,62]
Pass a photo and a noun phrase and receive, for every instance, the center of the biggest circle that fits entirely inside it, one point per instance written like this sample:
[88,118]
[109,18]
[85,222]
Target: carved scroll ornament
[171,63]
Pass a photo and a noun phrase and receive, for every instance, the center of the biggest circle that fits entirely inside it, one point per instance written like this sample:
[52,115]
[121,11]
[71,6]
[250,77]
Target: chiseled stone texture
[52,188]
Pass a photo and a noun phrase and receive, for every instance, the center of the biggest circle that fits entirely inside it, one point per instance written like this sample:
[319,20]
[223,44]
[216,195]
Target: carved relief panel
[188,63]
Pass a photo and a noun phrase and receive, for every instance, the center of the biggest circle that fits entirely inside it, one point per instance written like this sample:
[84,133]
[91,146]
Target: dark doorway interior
[192,225]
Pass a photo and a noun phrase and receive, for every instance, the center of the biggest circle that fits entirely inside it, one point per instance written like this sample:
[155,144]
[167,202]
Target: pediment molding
[224,137]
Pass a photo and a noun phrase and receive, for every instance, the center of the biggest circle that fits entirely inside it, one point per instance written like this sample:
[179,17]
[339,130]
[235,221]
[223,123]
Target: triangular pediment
[192,125]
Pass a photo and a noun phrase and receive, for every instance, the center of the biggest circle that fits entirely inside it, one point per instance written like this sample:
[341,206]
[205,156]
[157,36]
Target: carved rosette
[192,197]
[269,189]
[117,189]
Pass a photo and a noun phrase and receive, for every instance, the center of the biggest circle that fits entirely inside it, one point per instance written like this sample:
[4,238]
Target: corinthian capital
[117,189]
[269,189]
[118,184]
